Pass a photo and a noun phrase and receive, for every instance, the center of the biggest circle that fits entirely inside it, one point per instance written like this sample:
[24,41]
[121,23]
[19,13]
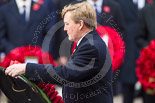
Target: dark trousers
[128,92]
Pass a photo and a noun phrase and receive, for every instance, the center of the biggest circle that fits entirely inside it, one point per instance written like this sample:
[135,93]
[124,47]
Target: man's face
[71,28]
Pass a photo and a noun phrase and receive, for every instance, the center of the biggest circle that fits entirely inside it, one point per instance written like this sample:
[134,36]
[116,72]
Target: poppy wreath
[19,54]
[145,69]
[115,44]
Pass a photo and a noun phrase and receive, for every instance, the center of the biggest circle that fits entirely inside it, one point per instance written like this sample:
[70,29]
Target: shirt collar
[82,38]
[20,3]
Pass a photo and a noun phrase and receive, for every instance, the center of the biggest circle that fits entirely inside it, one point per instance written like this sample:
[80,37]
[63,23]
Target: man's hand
[15,70]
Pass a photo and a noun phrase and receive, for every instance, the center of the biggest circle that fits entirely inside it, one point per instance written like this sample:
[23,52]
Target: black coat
[89,60]
[146,26]
[130,13]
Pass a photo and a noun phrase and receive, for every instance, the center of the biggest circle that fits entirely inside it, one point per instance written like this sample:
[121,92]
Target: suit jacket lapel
[133,6]
[88,36]
[33,15]
[101,19]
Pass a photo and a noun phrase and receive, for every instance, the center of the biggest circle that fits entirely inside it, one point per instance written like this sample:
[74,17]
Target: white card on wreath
[31,59]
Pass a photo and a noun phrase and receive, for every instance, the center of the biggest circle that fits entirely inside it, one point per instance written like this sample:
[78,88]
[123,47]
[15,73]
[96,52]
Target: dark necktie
[97,13]
[24,13]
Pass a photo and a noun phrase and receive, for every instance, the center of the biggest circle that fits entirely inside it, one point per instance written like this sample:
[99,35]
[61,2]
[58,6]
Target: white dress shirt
[140,3]
[27,4]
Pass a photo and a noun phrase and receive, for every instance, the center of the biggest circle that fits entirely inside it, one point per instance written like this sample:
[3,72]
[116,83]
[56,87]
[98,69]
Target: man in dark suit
[87,76]
[146,25]
[128,75]
[23,22]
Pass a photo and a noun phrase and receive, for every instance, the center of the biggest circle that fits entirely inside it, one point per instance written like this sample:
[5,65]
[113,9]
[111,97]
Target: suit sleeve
[141,31]
[80,67]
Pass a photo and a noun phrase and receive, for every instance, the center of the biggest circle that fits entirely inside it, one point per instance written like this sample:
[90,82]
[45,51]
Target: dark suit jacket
[15,32]
[90,58]
[146,25]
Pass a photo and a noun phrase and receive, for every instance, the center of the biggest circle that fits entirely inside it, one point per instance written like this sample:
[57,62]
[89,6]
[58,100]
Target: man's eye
[66,24]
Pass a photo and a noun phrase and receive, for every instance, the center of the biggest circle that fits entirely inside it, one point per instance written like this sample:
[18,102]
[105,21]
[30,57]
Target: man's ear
[81,24]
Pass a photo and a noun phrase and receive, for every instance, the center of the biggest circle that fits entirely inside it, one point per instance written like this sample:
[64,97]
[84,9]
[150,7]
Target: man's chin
[70,39]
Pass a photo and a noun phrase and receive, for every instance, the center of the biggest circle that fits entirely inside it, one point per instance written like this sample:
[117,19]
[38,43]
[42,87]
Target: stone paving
[117,99]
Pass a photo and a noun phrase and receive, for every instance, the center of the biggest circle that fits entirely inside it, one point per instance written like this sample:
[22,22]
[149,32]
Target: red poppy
[150,1]
[41,2]
[106,9]
[36,7]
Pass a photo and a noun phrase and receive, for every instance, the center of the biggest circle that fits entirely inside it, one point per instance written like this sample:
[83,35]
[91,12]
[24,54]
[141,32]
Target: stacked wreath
[145,69]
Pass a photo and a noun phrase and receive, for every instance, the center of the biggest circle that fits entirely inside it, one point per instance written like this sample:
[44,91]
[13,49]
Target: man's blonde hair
[82,11]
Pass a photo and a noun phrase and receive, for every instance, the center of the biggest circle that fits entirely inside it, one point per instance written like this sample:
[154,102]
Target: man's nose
[65,29]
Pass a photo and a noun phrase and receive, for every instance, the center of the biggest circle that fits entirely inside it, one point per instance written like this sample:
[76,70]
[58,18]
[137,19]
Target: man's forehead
[67,17]
[68,14]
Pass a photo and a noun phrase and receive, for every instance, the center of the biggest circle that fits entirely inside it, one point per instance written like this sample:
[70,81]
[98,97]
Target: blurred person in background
[127,75]
[109,14]
[2,2]
[23,22]
[146,33]
[146,25]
